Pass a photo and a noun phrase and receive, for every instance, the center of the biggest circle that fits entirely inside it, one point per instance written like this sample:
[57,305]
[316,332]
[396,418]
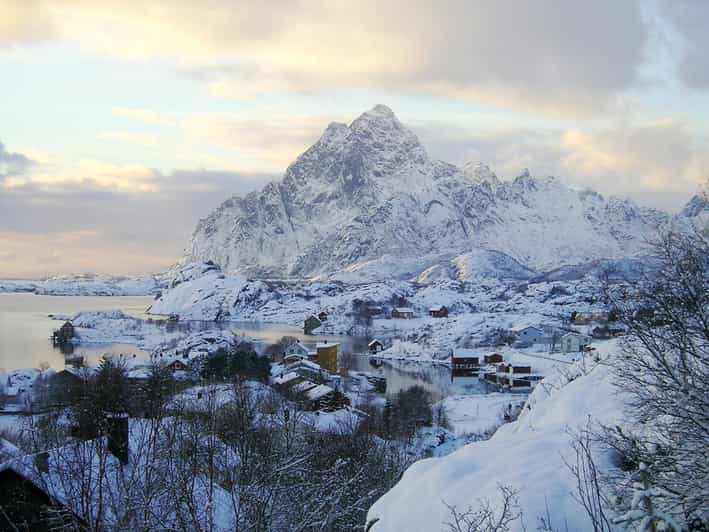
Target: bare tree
[664,369]
[486,517]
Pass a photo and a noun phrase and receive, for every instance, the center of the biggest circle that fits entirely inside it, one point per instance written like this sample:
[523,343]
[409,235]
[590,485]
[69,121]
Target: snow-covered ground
[201,291]
[478,413]
[87,285]
[104,327]
[527,455]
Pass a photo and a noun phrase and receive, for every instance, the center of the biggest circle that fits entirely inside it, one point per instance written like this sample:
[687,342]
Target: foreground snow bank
[527,455]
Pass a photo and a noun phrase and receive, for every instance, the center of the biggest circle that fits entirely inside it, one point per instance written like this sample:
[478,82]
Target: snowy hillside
[527,456]
[88,285]
[366,198]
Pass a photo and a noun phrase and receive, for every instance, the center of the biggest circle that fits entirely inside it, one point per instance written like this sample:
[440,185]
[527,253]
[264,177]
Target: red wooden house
[438,312]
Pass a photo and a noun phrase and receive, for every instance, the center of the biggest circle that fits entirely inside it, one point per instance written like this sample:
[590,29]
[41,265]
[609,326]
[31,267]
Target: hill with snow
[529,456]
[366,201]
[88,284]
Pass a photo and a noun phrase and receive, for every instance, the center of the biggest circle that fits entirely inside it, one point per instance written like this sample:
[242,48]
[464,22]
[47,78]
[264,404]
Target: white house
[296,350]
[574,342]
[528,336]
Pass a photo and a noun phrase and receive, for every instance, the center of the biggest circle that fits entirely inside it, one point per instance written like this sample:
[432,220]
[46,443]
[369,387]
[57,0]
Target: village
[311,376]
[314,372]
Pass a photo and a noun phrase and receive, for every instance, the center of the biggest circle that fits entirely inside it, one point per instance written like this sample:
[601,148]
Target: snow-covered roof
[139,373]
[528,327]
[375,341]
[284,379]
[304,386]
[318,392]
[404,309]
[323,345]
[304,363]
[465,352]
[436,309]
[576,335]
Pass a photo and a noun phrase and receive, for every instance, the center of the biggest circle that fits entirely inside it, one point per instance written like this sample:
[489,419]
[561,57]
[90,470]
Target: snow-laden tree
[664,371]
[644,514]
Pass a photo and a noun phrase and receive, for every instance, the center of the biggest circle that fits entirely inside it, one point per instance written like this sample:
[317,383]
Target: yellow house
[327,356]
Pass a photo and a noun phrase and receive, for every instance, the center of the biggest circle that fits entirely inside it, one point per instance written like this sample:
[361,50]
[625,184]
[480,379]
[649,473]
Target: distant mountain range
[366,201]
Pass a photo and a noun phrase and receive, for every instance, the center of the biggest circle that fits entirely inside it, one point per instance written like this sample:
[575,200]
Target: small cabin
[178,365]
[494,358]
[403,313]
[375,346]
[374,310]
[310,324]
[438,312]
[64,333]
[574,342]
[601,333]
[321,397]
[296,349]
[527,336]
[585,318]
[525,370]
[27,505]
[464,363]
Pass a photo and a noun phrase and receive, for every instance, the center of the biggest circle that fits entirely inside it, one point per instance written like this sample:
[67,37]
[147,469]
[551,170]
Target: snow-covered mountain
[367,196]
[89,284]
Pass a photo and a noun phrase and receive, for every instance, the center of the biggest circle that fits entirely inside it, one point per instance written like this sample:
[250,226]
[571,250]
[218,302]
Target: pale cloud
[690,22]
[78,226]
[25,20]
[39,255]
[273,141]
[661,163]
[124,178]
[132,137]
[13,164]
[564,57]
[147,116]
[661,156]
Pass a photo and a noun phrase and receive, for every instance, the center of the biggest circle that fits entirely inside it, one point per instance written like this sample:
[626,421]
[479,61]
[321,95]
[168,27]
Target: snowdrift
[527,455]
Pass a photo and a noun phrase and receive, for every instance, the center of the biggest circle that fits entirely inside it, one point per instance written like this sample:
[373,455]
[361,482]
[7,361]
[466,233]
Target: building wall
[327,358]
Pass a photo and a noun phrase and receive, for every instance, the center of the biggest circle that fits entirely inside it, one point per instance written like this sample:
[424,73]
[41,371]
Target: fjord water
[25,326]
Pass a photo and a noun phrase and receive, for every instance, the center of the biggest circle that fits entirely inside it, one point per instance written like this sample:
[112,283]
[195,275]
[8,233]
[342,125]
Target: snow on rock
[196,344]
[200,291]
[88,284]
[478,413]
[366,202]
[527,455]
[116,327]
[13,285]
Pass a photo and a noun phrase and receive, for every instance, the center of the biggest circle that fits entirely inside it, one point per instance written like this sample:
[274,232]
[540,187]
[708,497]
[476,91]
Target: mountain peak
[368,190]
[380,110]
[480,173]
[379,117]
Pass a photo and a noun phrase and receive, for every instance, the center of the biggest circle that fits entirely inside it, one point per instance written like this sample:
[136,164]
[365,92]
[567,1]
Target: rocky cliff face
[369,190]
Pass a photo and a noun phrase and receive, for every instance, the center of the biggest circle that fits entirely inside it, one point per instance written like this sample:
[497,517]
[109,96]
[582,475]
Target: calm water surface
[25,328]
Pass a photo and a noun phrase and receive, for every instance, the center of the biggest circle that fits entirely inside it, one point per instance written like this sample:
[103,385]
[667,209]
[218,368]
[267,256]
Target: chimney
[117,433]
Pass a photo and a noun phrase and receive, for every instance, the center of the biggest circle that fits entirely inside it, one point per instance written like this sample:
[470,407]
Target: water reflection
[25,328]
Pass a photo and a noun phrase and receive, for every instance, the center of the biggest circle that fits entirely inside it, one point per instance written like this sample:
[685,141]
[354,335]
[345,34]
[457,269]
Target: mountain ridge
[369,189]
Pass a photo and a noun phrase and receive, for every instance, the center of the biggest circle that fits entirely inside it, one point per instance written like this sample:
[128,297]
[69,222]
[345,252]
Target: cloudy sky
[123,122]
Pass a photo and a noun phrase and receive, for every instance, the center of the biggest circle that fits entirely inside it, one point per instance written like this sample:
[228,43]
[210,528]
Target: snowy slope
[88,285]
[369,191]
[527,455]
